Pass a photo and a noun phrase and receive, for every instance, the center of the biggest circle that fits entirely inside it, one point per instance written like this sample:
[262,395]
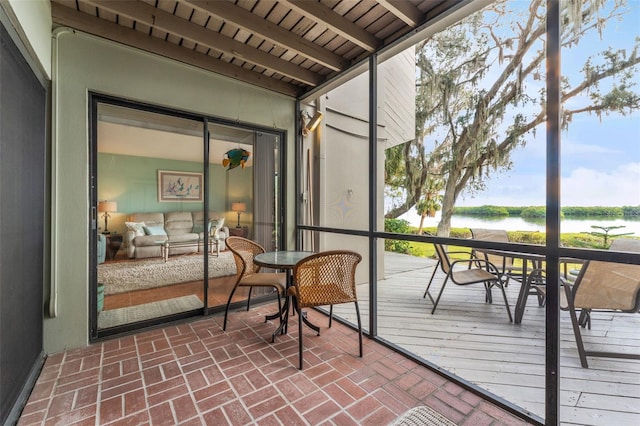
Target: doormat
[115,317]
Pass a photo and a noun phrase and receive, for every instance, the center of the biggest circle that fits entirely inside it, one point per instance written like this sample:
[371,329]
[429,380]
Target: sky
[600,160]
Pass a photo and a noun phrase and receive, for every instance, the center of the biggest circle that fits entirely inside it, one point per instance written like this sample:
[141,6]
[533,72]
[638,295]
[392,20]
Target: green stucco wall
[81,64]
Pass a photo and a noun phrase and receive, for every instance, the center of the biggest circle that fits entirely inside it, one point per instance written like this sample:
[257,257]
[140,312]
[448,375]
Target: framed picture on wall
[179,186]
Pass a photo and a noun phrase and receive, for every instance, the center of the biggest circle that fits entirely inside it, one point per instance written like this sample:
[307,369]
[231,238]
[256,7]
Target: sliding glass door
[169,189]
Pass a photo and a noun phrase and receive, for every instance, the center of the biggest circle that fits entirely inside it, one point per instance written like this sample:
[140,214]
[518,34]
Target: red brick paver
[196,374]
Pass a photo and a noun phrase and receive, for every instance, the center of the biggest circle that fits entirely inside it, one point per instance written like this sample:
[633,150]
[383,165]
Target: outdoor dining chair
[603,287]
[325,278]
[475,271]
[248,274]
[503,263]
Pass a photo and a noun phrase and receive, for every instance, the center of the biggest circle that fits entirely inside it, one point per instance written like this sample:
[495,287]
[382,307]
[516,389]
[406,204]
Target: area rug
[120,277]
[114,317]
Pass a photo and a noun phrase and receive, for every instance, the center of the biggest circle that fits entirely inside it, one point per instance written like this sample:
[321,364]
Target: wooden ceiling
[287,46]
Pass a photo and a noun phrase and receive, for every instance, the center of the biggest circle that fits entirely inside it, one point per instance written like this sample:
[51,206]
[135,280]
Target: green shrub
[527,237]
[398,226]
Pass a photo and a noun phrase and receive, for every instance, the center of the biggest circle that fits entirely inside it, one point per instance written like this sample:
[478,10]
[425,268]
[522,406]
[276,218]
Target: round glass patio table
[286,260]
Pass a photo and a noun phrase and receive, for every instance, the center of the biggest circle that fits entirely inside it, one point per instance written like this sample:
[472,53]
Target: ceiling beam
[165,21]
[318,12]
[271,32]
[69,17]
[404,10]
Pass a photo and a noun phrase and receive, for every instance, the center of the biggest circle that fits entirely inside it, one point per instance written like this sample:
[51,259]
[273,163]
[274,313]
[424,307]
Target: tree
[430,203]
[604,233]
[475,98]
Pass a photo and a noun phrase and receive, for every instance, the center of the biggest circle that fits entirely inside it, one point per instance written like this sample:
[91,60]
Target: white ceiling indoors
[137,133]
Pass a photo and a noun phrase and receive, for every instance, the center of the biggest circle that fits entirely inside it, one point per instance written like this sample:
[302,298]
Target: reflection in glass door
[150,192]
[153,191]
[243,169]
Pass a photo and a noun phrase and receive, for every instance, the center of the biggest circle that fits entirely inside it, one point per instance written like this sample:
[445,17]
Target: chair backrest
[244,250]
[497,235]
[610,285]
[445,262]
[326,278]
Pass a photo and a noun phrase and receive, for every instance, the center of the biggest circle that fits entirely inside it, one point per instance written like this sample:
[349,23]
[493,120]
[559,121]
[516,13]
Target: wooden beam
[347,29]
[271,32]
[404,10]
[165,21]
[69,17]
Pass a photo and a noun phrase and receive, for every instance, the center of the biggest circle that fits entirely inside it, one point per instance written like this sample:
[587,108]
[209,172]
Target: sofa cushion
[184,238]
[149,219]
[198,229]
[149,240]
[177,223]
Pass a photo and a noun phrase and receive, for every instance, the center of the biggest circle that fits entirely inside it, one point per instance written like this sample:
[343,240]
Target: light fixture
[106,207]
[310,126]
[239,208]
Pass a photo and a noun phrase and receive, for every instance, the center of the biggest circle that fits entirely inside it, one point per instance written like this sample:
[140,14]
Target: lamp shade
[107,206]
[239,207]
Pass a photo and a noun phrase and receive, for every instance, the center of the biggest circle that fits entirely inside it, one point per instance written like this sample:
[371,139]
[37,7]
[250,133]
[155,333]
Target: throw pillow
[137,227]
[197,229]
[154,230]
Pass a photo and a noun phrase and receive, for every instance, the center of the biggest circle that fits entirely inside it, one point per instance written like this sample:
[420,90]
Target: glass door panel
[150,192]
[244,199]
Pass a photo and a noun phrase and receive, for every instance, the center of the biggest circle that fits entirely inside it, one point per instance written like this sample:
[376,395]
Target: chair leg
[585,318]
[279,306]
[433,274]
[506,302]
[249,298]
[435,304]
[359,327]
[299,309]
[226,309]
[576,327]
[330,315]
[488,297]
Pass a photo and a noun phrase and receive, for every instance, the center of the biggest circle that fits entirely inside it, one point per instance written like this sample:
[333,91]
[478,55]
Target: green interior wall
[132,182]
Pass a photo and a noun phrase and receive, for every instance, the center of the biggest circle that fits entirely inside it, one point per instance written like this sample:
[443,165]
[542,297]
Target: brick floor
[196,374]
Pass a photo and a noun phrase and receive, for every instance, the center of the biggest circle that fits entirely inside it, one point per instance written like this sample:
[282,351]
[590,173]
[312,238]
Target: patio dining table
[283,260]
[532,279]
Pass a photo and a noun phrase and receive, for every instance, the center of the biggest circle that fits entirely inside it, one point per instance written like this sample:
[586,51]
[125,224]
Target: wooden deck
[477,342]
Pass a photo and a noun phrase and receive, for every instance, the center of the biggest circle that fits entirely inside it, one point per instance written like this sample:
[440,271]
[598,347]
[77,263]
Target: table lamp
[106,207]
[239,208]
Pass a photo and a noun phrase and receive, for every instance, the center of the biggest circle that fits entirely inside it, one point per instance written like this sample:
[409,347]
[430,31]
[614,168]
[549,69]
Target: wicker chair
[603,286]
[476,271]
[326,278]
[249,275]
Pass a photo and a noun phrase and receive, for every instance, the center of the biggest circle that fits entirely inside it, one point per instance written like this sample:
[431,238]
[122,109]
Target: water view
[519,224]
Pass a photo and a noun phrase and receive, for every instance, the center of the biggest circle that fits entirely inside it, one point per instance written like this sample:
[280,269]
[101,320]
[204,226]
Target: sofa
[146,232]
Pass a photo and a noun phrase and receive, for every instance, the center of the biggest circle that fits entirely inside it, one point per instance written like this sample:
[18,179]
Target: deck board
[476,341]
